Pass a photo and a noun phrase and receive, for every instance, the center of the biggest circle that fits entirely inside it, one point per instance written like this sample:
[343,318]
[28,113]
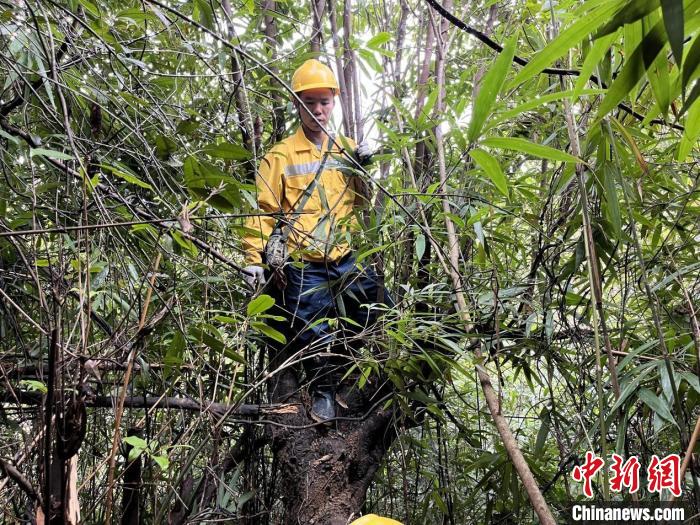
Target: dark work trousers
[329,308]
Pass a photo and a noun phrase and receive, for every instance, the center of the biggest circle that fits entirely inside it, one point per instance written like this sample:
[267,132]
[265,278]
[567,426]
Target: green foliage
[140,135]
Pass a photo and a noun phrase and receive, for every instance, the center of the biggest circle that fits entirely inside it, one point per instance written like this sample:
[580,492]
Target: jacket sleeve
[270,194]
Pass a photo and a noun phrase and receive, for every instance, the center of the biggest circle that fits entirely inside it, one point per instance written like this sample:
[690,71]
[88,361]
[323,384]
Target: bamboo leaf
[692,61]
[632,144]
[490,86]
[692,97]
[600,47]
[691,132]
[228,151]
[378,40]
[629,13]
[657,405]
[541,100]
[673,21]
[531,148]
[420,246]
[545,417]
[124,173]
[41,152]
[611,198]
[659,80]
[270,332]
[492,168]
[633,70]
[572,35]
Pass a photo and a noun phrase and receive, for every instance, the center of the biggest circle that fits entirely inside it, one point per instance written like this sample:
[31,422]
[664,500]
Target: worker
[310,182]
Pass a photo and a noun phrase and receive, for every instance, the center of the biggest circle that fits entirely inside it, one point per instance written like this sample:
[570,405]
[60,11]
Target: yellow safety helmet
[373,519]
[313,74]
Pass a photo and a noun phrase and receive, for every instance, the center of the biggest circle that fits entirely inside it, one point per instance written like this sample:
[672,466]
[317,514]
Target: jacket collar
[302,143]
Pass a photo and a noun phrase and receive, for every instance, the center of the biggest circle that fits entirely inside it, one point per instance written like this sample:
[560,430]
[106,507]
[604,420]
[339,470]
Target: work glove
[254,276]
[364,154]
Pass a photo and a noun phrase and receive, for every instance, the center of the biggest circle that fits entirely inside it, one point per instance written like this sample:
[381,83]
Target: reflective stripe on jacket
[322,231]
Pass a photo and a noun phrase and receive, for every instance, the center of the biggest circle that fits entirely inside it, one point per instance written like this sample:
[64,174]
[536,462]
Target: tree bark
[325,470]
[131,508]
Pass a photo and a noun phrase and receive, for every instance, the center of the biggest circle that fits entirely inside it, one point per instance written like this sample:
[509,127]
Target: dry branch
[162,402]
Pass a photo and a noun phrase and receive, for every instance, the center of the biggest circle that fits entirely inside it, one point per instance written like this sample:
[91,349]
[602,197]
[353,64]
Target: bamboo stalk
[509,443]
[688,453]
[122,396]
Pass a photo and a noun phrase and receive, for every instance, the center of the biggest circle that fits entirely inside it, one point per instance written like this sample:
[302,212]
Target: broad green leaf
[531,148]
[260,304]
[269,331]
[228,151]
[134,453]
[656,404]
[633,69]
[162,461]
[136,442]
[41,152]
[184,242]
[673,21]
[207,181]
[489,88]
[492,168]
[34,385]
[368,56]
[567,39]
[362,256]
[427,107]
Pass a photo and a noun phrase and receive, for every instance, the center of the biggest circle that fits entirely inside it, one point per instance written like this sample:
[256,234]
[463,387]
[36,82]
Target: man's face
[317,102]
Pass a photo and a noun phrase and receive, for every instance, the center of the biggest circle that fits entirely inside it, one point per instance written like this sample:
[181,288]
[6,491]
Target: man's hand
[254,276]
[364,154]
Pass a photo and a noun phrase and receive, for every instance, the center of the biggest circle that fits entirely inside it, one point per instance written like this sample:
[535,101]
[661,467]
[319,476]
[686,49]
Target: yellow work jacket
[322,231]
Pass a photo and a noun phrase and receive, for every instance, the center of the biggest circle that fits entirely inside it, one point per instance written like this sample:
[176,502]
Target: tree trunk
[325,470]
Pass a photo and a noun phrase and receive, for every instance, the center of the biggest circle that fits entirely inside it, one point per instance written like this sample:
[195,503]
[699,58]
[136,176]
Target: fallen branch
[178,403]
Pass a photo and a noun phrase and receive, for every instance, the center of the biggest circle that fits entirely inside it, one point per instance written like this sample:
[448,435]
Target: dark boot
[322,405]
